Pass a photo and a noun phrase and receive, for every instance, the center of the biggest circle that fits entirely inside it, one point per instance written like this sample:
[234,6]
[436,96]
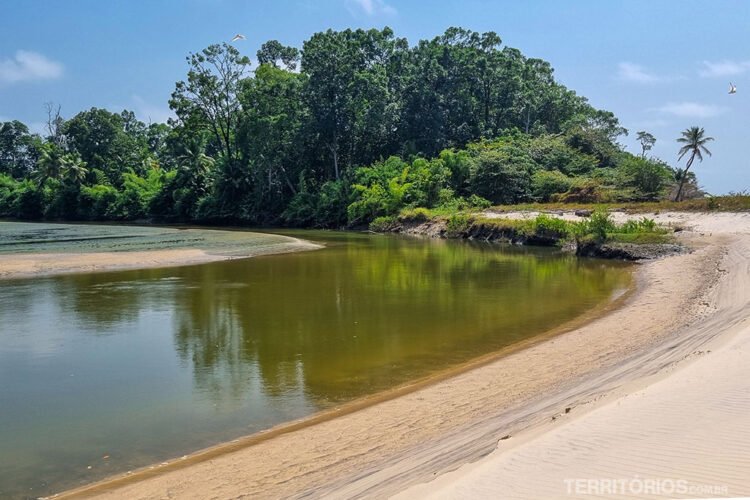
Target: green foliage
[478,202]
[97,201]
[28,201]
[694,142]
[550,227]
[19,149]
[383,224]
[327,208]
[356,126]
[457,224]
[546,184]
[8,187]
[110,142]
[648,179]
[134,200]
[554,154]
[598,225]
[643,225]
[584,190]
[415,215]
[502,175]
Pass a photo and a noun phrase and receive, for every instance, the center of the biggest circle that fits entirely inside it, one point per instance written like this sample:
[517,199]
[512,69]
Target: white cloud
[29,66]
[147,112]
[373,7]
[630,72]
[691,110]
[724,68]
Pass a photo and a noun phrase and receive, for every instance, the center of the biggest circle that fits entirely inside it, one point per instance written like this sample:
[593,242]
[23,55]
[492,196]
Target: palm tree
[74,169]
[49,165]
[694,143]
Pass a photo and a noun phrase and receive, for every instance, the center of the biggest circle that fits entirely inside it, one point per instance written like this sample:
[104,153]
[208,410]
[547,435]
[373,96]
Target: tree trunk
[286,178]
[335,152]
[528,118]
[684,176]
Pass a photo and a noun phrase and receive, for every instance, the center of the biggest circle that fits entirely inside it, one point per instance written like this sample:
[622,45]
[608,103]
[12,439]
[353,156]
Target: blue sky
[661,65]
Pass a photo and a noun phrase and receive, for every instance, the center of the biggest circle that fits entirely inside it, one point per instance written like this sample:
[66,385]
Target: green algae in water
[147,365]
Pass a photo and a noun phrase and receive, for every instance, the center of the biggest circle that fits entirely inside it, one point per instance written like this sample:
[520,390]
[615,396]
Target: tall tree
[19,149]
[275,54]
[209,99]
[270,133]
[694,142]
[647,142]
[348,93]
[113,143]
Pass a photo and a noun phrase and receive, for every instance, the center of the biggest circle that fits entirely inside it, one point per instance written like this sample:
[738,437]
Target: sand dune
[683,307]
[684,437]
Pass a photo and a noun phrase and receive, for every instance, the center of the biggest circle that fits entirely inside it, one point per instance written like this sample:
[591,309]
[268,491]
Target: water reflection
[130,363]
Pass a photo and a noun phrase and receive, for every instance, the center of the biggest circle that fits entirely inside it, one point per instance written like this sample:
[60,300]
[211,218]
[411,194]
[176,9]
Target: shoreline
[356,405]
[680,431]
[44,264]
[438,428]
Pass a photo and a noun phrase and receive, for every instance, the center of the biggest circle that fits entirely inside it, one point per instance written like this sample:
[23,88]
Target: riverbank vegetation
[597,229]
[354,126]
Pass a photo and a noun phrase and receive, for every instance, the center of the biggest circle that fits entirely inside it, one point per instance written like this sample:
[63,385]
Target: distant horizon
[635,59]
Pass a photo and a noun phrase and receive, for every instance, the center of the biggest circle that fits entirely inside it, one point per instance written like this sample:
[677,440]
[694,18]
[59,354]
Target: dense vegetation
[356,125]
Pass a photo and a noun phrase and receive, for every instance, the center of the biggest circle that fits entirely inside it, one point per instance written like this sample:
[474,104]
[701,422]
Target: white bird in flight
[732,88]
[238,37]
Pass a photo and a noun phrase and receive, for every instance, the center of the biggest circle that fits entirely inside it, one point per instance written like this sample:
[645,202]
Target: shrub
[502,177]
[643,225]
[550,227]
[476,201]
[586,191]
[457,224]
[8,188]
[598,225]
[545,184]
[383,224]
[415,215]
[96,202]
[331,206]
[28,202]
[648,179]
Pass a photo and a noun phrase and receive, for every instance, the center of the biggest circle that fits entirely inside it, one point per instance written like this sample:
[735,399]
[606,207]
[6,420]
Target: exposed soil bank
[484,229]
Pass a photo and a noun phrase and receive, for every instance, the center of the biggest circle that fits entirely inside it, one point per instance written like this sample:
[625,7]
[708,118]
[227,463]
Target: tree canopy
[353,125]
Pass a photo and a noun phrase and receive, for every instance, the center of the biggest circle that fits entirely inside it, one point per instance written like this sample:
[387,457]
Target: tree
[352,103]
[50,164]
[113,143]
[694,142]
[209,100]
[647,142]
[55,125]
[273,52]
[271,137]
[19,149]
[648,178]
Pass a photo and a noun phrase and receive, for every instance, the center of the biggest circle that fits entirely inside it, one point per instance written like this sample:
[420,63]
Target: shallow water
[142,366]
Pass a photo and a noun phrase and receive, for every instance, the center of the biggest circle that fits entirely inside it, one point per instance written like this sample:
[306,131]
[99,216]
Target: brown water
[142,366]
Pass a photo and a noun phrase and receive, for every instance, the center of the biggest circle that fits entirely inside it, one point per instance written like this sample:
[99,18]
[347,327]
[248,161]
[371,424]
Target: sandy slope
[383,448]
[687,434]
